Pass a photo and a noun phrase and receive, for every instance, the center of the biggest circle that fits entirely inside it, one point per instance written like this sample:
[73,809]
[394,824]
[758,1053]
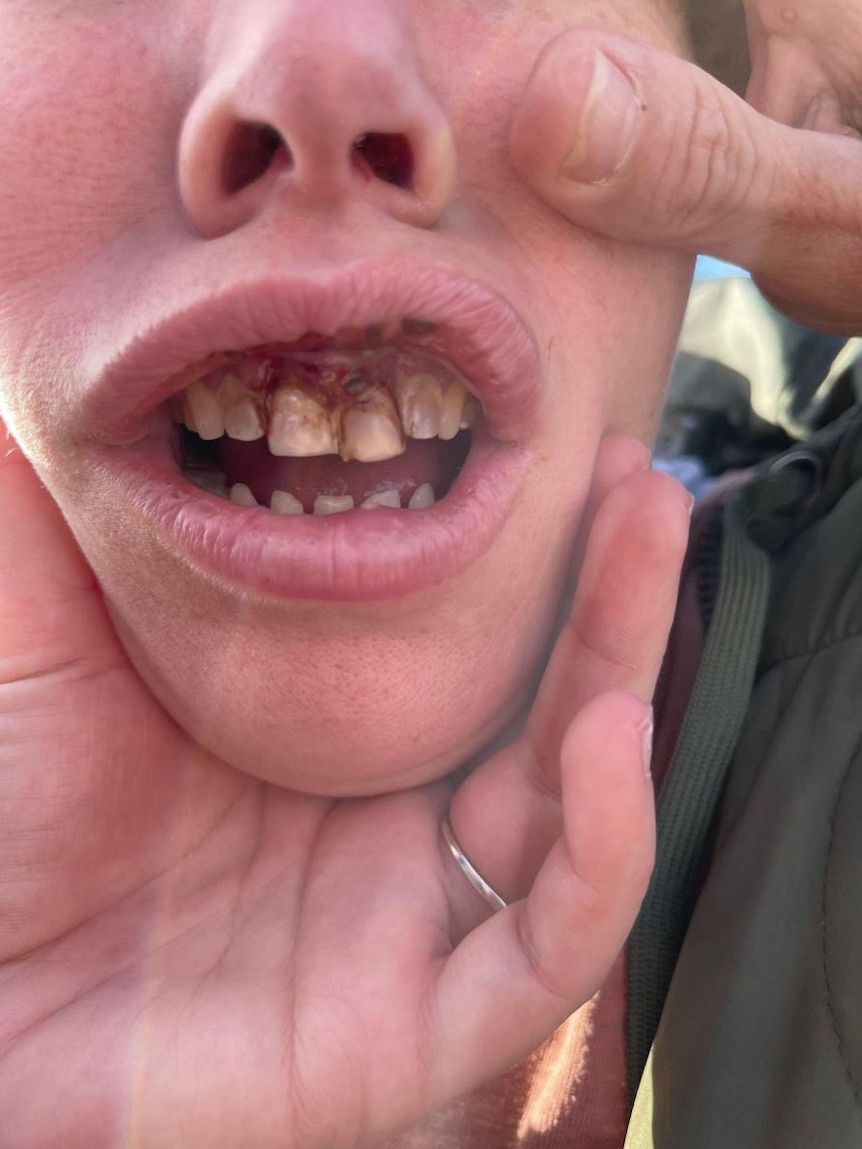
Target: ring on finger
[483,888]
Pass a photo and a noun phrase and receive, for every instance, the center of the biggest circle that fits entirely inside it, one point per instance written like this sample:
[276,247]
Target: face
[295,225]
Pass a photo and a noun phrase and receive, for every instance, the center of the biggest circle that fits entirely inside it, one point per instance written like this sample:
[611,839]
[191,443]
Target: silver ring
[469,870]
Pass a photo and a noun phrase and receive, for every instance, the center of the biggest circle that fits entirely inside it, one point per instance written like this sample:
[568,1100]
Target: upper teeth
[299,420]
[420,399]
[241,415]
[299,425]
[370,430]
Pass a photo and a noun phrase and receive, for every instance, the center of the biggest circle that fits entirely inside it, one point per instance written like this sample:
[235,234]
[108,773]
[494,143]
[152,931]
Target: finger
[618,457]
[617,631]
[516,977]
[49,597]
[642,146]
[507,812]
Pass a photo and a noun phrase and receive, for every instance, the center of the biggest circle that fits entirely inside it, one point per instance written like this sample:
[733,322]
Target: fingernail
[607,125]
[646,729]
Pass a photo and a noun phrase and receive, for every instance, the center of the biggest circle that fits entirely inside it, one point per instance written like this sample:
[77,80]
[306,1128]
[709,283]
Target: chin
[340,702]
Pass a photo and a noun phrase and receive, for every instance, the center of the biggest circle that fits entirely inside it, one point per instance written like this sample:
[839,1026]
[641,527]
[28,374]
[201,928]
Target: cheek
[615,312]
[87,172]
[659,283]
[90,149]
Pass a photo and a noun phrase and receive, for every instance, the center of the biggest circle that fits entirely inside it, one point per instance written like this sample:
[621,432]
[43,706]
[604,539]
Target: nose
[310,102]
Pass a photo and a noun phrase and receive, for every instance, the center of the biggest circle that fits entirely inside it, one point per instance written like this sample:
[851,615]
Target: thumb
[51,611]
[642,146]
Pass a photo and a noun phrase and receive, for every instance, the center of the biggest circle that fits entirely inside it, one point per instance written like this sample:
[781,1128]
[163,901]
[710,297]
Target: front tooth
[242,419]
[300,425]
[452,410]
[422,498]
[284,503]
[333,504]
[389,498]
[419,402]
[243,422]
[371,430]
[241,494]
[206,412]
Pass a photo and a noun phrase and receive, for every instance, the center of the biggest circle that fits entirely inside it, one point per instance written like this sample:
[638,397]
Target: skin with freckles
[148,153]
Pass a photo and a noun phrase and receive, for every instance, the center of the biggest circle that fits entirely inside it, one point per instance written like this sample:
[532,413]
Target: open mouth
[326,426]
[353,437]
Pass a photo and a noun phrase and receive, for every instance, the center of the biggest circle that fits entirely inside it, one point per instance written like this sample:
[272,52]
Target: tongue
[432,461]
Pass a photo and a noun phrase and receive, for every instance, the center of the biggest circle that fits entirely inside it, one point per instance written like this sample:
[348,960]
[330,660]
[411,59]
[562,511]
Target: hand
[665,155]
[189,956]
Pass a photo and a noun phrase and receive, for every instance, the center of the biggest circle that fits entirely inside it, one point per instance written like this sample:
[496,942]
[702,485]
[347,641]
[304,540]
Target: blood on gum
[328,373]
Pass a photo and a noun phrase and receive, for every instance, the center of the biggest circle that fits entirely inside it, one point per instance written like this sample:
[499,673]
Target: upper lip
[482,336]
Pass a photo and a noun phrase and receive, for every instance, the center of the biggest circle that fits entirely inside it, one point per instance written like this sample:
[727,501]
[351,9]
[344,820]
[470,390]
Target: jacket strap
[692,789]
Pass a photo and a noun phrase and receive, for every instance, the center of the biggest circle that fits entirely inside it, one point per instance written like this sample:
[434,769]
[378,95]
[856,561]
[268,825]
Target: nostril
[387,157]
[248,155]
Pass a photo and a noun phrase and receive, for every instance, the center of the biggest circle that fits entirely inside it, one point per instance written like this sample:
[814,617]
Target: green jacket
[759,1044]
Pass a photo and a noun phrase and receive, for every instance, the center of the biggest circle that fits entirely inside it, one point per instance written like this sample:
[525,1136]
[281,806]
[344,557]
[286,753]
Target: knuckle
[540,970]
[712,167]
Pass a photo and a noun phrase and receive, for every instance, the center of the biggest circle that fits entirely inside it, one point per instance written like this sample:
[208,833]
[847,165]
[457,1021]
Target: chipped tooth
[241,494]
[422,498]
[419,401]
[371,430]
[206,412]
[242,419]
[452,410]
[300,425]
[284,503]
[389,498]
[333,504]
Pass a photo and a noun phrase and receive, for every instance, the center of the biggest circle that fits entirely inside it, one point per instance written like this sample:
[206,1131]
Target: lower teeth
[333,504]
[284,503]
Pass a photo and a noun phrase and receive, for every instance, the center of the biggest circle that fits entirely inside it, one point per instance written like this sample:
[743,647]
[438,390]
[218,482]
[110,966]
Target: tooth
[188,417]
[422,498]
[383,499]
[205,411]
[242,419]
[284,503]
[333,504]
[419,400]
[243,422]
[452,410]
[241,494]
[371,429]
[472,411]
[300,425]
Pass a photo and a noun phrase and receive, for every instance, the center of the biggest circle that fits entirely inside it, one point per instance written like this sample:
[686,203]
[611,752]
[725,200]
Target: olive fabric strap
[692,788]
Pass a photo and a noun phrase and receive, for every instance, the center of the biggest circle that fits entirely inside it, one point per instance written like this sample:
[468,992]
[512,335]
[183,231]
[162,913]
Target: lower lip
[359,556]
